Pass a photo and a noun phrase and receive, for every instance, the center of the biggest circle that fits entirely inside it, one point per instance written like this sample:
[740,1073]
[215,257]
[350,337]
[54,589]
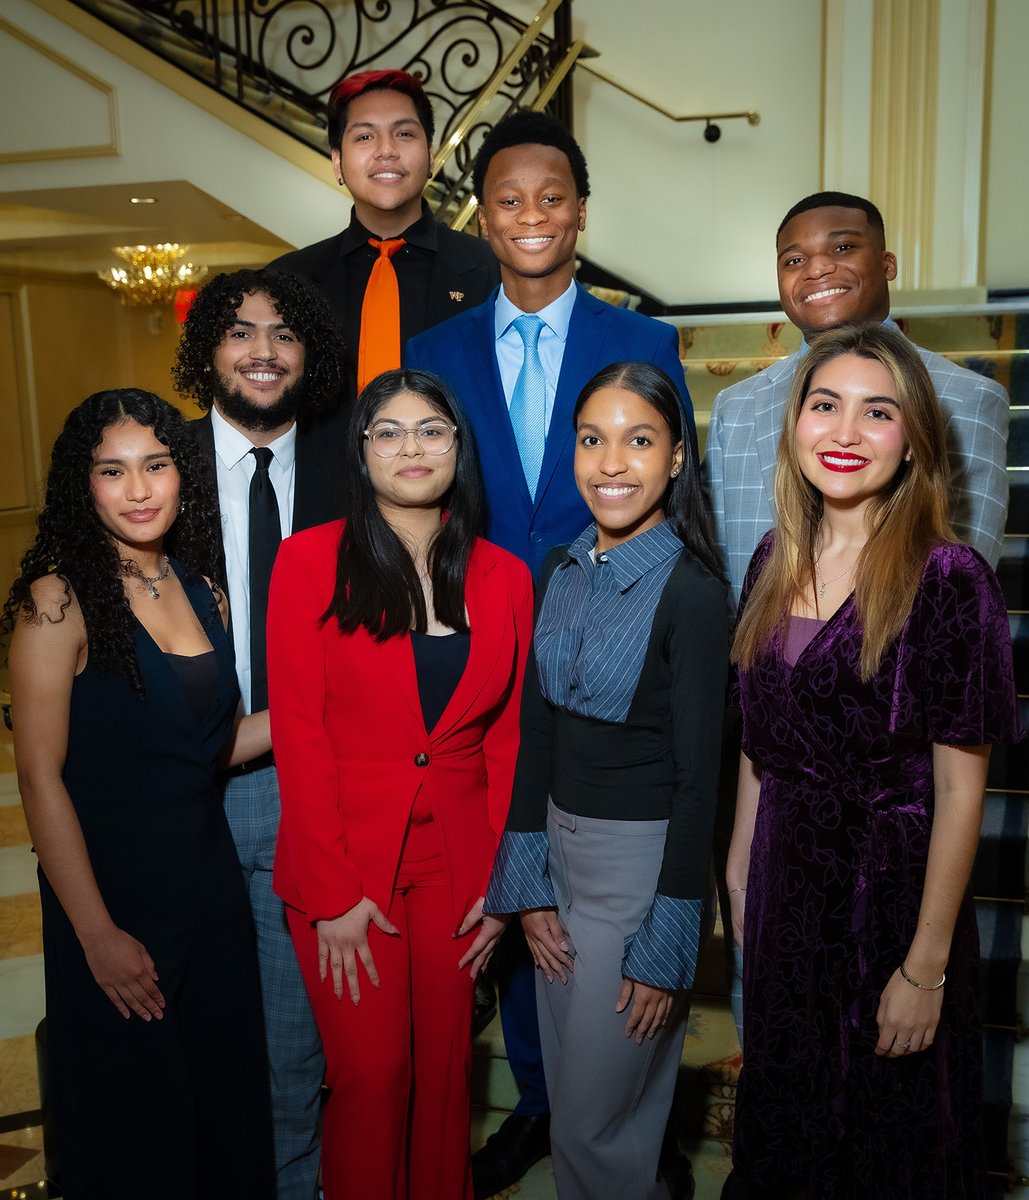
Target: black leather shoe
[509,1153]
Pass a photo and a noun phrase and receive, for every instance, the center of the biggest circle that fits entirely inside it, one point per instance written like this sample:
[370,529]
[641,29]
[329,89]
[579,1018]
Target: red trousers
[397,1121]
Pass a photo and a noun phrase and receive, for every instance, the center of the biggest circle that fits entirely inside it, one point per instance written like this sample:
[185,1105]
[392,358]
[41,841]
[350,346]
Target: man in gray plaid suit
[834,268]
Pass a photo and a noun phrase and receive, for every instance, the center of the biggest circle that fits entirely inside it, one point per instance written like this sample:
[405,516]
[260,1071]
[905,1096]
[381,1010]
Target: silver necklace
[130,567]
[823,583]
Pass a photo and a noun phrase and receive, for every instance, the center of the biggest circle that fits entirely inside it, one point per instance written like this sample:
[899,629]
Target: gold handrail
[753,118]
[496,82]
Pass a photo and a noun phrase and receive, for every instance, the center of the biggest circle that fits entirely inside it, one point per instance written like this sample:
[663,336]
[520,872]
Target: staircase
[476,61]
[1001,863]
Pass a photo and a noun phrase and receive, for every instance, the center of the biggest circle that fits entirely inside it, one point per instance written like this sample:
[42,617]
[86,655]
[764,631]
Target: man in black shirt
[381,131]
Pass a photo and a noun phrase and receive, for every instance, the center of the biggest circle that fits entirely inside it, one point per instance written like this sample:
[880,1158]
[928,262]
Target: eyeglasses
[387,440]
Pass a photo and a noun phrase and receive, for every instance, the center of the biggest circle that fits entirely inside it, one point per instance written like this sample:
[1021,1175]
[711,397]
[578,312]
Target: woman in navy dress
[123,697]
[875,670]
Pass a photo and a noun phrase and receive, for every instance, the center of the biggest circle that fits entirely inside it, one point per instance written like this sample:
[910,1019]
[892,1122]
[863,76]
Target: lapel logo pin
[459,296]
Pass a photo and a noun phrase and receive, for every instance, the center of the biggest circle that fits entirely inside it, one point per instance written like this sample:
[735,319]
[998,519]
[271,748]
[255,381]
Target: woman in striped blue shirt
[605,853]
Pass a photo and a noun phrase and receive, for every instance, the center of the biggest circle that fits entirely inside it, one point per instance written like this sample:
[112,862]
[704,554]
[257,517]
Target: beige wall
[163,135]
[66,338]
[1007,191]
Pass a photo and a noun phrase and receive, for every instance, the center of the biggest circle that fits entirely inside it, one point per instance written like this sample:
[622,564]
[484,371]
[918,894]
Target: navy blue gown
[177,1107]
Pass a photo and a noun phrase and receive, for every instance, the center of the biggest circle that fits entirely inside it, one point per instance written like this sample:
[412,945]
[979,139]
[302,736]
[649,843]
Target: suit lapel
[397,657]
[317,486]
[494,432]
[448,266]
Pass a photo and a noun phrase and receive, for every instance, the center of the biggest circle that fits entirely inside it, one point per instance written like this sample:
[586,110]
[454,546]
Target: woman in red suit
[396,646]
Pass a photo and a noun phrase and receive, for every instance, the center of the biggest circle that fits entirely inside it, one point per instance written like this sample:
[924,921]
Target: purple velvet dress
[836,874]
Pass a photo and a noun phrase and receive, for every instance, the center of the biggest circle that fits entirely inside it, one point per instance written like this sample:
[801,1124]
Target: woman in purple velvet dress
[875,671]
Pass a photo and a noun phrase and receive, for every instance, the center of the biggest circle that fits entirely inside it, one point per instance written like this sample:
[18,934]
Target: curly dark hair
[72,542]
[304,309]
[527,128]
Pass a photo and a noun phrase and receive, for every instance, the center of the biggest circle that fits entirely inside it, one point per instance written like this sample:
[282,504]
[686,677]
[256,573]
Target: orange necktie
[378,349]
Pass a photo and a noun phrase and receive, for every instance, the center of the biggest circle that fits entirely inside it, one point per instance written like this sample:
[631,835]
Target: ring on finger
[902,1045]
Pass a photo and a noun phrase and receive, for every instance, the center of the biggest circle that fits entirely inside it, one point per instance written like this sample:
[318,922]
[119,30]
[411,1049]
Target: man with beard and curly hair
[262,353]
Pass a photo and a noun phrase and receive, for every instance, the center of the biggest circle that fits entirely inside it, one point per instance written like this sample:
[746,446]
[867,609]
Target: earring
[675,471]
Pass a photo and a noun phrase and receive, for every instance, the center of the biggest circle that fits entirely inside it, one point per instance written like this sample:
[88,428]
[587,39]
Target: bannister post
[563,105]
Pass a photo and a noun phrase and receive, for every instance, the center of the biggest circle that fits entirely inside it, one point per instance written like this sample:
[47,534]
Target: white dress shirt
[235,466]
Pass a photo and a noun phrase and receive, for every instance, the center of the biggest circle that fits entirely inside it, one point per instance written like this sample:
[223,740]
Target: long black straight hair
[684,504]
[377,584]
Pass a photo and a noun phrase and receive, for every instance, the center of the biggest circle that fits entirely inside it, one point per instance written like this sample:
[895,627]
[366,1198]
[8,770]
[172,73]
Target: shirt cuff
[663,951]
[520,879]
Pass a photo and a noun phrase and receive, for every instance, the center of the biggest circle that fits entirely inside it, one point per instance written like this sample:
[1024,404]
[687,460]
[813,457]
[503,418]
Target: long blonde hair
[905,521]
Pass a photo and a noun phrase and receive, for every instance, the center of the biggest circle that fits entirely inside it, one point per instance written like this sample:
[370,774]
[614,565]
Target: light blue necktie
[529,401]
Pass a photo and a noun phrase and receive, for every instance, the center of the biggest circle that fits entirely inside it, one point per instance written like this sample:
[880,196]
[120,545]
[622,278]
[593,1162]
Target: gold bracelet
[924,987]
[733,891]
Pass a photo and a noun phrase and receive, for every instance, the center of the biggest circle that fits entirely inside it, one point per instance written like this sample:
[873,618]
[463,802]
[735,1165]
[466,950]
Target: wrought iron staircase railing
[280,58]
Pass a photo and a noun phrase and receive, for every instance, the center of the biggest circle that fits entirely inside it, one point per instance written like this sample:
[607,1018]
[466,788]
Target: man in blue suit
[517,364]
[531,183]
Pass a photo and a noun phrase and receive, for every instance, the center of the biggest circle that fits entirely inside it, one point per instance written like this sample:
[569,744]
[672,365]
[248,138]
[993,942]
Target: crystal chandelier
[153,274]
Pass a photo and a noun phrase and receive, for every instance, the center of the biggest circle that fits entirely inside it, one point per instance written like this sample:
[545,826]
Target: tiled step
[999,869]
[1000,939]
[998,1051]
[1018,436]
[1018,501]
[1009,765]
[1013,571]
[1019,623]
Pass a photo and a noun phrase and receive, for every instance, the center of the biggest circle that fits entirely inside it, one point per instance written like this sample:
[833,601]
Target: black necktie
[265,535]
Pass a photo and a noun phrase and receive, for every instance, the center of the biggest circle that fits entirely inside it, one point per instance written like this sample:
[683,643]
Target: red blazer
[350,743]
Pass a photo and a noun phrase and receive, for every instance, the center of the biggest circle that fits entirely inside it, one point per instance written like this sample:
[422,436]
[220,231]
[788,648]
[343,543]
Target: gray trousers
[609,1097]
[294,1047]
